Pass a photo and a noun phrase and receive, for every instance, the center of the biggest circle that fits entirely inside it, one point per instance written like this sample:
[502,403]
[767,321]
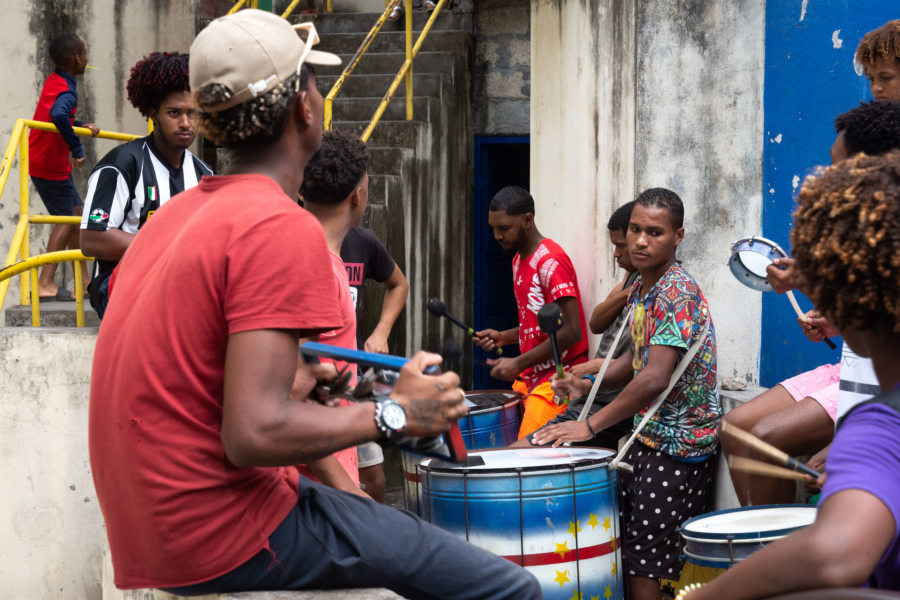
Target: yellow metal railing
[255,4]
[18,259]
[405,72]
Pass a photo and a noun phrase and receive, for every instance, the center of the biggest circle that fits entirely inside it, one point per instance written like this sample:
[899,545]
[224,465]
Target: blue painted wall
[809,80]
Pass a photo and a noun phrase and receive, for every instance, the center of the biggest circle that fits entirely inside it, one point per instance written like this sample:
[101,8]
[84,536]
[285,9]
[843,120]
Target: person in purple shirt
[846,238]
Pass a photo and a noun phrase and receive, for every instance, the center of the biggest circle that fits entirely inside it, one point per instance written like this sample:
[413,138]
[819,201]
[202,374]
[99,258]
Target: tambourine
[749,259]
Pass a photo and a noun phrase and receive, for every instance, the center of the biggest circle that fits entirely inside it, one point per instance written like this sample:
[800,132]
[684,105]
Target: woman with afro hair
[135,179]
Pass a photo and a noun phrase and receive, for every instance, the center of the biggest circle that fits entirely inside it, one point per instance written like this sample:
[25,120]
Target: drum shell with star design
[552,510]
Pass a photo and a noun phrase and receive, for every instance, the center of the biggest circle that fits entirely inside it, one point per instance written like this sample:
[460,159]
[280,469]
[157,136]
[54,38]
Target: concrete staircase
[420,177]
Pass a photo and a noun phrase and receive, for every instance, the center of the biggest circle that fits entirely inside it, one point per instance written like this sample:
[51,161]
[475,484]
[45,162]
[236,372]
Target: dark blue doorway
[499,162]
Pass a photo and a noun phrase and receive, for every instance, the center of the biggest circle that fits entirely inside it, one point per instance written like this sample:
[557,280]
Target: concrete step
[387,160]
[383,187]
[424,84]
[401,134]
[328,24]
[393,41]
[381,63]
[53,314]
[363,109]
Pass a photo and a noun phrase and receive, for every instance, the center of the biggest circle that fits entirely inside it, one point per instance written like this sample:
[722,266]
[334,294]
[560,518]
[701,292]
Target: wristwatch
[390,418]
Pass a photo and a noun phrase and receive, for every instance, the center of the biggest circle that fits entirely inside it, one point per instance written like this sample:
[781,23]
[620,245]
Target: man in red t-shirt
[193,431]
[542,272]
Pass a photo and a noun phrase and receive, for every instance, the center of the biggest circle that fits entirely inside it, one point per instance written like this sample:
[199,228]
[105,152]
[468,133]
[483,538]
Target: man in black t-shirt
[365,257]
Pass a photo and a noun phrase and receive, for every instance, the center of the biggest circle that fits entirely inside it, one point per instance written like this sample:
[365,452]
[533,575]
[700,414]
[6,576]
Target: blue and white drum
[554,511]
[493,422]
[722,538]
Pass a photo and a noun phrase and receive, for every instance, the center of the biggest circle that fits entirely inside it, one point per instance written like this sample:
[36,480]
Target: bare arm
[331,473]
[263,426]
[637,395]
[606,312]
[566,337]
[394,301]
[107,245]
[851,533]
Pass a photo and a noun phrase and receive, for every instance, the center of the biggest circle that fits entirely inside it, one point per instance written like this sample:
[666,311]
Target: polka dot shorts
[656,499]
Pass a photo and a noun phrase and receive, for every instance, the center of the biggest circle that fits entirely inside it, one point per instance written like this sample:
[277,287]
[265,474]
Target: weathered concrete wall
[582,129]
[657,93]
[51,530]
[501,77]
[117,34]
[700,73]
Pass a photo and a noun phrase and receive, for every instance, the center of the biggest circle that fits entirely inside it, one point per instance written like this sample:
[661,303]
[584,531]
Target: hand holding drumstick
[769,450]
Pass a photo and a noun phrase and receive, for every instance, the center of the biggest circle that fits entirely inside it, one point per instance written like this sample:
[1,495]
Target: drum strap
[617,463]
[599,378]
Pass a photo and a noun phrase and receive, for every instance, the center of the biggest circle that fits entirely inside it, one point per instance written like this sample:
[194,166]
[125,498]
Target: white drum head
[531,458]
[766,521]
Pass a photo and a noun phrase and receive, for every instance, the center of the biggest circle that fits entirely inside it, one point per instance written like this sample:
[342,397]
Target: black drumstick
[439,309]
[550,320]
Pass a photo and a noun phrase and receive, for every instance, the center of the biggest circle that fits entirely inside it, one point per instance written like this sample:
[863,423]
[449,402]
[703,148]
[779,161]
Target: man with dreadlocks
[133,180]
[193,431]
[846,240]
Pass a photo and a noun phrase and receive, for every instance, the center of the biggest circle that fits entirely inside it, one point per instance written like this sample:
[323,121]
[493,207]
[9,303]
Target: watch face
[393,415]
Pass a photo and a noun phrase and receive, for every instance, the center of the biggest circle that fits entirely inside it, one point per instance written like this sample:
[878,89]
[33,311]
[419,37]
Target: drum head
[749,259]
[482,400]
[751,522]
[525,459]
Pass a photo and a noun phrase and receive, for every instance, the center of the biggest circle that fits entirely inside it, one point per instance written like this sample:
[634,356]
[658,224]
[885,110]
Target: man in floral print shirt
[672,463]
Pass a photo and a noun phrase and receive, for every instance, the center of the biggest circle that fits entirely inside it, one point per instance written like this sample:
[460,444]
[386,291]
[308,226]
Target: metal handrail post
[236,7]
[409,57]
[24,211]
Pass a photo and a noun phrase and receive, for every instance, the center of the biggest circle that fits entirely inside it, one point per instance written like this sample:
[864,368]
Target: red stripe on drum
[557,558]
[414,477]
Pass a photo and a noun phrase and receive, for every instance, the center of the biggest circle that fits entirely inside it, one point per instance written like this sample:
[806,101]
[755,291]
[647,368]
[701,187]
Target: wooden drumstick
[802,316]
[742,463]
[768,449]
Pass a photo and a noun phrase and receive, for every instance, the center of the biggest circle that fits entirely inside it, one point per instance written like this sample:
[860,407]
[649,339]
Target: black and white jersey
[130,183]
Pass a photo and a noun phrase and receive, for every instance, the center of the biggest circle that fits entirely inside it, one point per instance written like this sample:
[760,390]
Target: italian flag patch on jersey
[151,193]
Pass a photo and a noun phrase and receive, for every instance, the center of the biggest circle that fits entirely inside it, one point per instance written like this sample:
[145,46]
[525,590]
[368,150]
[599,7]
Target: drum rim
[703,536]
[515,396]
[705,561]
[467,470]
[742,273]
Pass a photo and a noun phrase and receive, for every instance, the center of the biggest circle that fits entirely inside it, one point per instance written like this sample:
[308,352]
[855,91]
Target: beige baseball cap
[251,52]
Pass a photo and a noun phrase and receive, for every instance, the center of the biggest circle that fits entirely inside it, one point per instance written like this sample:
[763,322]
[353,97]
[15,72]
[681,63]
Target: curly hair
[63,48]
[846,239]
[257,121]
[336,169]
[881,44]
[663,198]
[156,76]
[872,127]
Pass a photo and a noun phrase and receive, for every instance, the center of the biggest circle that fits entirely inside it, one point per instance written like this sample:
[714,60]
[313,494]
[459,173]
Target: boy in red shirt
[542,272]
[49,166]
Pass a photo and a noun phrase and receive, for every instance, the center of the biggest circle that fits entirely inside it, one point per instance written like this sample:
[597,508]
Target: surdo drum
[552,510]
[723,538]
[493,422]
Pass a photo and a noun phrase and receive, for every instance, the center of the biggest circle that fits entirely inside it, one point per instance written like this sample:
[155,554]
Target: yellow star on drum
[614,569]
[607,593]
[561,549]
[606,523]
[562,577]
[573,528]
[595,597]
[593,521]
[577,596]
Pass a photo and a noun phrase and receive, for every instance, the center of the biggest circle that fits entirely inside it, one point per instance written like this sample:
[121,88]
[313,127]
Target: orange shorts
[540,406]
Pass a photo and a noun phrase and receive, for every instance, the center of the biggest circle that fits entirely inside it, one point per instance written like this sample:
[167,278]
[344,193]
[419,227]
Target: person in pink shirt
[335,190]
